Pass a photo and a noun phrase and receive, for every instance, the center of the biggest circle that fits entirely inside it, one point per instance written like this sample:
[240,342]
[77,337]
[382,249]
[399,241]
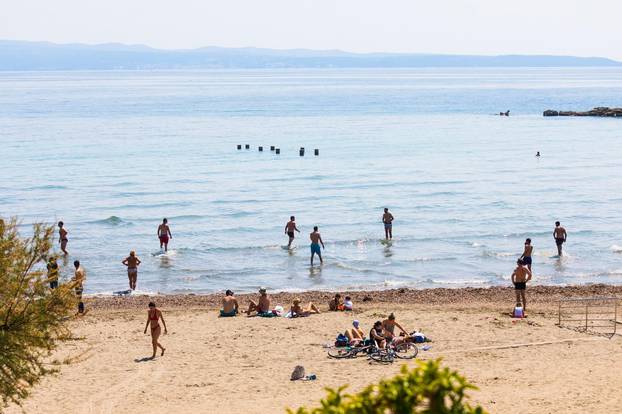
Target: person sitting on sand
[389,325]
[376,335]
[520,277]
[262,305]
[356,336]
[335,304]
[153,317]
[347,304]
[132,262]
[229,305]
[297,310]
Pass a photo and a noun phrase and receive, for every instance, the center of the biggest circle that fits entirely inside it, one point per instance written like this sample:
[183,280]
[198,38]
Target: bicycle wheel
[341,352]
[382,356]
[406,350]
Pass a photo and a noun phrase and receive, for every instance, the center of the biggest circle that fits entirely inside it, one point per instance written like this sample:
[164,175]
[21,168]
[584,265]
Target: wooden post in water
[239,146]
[260,149]
[302,151]
[271,147]
[278,151]
[317,152]
[247,146]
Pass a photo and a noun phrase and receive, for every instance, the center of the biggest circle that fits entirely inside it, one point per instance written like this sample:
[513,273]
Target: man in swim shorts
[132,262]
[62,237]
[387,219]
[78,279]
[316,240]
[229,305]
[527,252]
[164,233]
[262,305]
[520,277]
[290,227]
[560,237]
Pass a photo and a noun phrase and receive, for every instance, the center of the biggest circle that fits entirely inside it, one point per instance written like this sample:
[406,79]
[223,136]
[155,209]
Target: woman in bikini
[153,316]
[132,262]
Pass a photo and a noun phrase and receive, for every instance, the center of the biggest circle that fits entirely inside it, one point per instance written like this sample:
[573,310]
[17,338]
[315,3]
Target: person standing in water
[153,317]
[520,277]
[560,237]
[527,252]
[164,233]
[290,227]
[387,219]
[132,262]
[62,237]
[316,240]
[79,278]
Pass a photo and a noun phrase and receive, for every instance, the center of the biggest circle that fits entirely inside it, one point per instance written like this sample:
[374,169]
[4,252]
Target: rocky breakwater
[600,111]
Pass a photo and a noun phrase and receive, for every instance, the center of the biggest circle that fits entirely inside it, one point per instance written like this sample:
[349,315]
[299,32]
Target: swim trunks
[527,260]
[315,248]
[132,270]
[559,242]
[520,285]
[164,239]
[290,234]
[388,225]
[227,314]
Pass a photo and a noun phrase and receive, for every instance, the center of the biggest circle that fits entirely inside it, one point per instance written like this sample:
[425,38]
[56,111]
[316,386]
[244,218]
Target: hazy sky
[574,27]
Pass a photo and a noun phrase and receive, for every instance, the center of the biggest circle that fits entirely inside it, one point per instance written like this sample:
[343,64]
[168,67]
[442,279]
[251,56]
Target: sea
[112,153]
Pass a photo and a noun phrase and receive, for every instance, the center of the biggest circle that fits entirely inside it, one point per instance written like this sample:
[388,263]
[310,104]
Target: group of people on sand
[381,334]
[522,274]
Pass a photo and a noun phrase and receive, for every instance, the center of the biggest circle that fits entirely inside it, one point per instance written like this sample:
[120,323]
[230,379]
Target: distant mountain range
[21,55]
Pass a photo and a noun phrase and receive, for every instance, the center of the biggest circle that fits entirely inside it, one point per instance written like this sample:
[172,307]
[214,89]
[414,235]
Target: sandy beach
[243,364]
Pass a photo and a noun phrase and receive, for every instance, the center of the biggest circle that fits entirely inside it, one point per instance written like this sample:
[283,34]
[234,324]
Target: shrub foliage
[31,314]
[426,389]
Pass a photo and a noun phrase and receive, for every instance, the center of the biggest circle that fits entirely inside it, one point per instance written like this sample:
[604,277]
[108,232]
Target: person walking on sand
[62,237]
[153,316]
[527,253]
[290,227]
[387,219]
[78,280]
[520,277]
[132,262]
[560,237]
[316,240]
[164,234]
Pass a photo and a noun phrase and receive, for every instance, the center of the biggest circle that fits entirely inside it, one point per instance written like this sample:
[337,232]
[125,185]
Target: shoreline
[546,295]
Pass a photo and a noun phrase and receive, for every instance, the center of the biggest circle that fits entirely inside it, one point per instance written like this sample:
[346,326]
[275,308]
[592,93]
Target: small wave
[111,221]
[616,249]
[488,253]
[48,187]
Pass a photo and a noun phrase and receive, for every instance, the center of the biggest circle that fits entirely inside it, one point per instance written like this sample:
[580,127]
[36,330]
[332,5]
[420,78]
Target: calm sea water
[112,153]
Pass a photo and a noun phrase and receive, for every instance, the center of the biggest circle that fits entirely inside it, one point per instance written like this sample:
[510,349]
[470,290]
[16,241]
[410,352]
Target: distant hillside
[19,55]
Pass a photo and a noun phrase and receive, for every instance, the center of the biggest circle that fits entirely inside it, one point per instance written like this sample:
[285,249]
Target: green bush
[31,314]
[426,389]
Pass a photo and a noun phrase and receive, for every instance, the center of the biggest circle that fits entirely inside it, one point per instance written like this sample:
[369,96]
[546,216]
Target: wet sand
[243,364]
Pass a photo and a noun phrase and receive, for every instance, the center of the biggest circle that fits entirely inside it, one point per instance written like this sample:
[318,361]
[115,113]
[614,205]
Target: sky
[559,27]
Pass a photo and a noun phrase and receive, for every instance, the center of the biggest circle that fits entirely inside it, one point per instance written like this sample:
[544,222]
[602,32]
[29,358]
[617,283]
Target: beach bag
[299,373]
[418,337]
[518,312]
[341,340]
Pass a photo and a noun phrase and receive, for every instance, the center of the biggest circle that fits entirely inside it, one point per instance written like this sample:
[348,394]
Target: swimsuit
[315,248]
[154,317]
[132,270]
[527,260]
[388,225]
[520,285]
[226,314]
[559,242]
[290,234]
[164,238]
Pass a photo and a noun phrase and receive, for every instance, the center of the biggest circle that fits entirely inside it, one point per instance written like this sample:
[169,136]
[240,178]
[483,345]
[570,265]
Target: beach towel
[268,314]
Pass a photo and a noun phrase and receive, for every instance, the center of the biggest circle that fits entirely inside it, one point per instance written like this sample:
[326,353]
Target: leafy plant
[426,389]
[31,314]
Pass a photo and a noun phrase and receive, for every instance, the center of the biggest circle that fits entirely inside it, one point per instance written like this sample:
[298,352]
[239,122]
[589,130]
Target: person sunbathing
[262,305]
[229,305]
[336,304]
[356,336]
[376,335]
[388,325]
[297,310]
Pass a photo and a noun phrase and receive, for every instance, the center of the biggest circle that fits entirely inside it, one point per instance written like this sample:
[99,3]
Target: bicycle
[349,351]
[403,350]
